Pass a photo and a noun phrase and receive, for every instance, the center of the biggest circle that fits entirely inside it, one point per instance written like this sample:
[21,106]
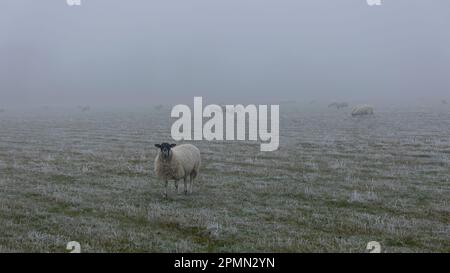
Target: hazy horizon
[111,52]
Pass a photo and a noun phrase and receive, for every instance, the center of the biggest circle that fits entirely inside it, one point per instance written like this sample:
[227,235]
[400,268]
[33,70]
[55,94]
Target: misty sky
[137,52]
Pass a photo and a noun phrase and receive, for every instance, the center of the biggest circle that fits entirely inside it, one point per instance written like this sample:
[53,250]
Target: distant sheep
[84,108]
[333,104]
[159,107]
[338,105]
[362,110]
[342,105]
[177,162]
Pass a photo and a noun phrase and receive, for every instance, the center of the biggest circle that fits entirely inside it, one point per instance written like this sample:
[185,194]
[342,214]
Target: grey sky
[142,51]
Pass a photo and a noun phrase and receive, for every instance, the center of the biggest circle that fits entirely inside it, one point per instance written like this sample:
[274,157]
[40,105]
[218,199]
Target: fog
[141,52]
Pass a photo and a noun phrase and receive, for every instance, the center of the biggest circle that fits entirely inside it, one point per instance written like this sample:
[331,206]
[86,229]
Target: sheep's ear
[172,145]
[158,146]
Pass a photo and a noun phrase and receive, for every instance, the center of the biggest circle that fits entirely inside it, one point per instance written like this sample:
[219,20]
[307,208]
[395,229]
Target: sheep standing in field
[159,107]
[177,162]
[362,110]
[338,105]
[333,104]
[84,108]
[342,105]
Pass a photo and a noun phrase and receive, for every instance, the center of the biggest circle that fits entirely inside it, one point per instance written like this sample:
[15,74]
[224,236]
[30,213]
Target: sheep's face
[166,149]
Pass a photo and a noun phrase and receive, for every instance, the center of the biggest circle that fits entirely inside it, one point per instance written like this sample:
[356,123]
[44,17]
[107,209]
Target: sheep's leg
[192,177]
[165,190]
[176,186]
[185,185]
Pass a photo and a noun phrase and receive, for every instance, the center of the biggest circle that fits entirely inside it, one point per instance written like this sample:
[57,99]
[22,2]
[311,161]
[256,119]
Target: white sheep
[362,110]
[177,162]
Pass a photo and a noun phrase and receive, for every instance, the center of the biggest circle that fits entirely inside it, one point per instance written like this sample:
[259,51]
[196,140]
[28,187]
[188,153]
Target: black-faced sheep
[177,162]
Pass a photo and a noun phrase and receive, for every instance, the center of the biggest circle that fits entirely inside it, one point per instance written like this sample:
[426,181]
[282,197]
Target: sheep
[362,110]
[177,162]
[159,107]
[333,104]
[338,105]
[84,108]
[341,105]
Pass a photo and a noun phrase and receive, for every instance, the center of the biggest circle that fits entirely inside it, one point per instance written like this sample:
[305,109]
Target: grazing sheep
[175,163]
[362,110]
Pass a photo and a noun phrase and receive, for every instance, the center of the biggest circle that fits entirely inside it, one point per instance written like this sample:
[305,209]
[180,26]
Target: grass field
[335,184]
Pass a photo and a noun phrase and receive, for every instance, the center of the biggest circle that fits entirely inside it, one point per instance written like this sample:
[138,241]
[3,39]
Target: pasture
[336,183]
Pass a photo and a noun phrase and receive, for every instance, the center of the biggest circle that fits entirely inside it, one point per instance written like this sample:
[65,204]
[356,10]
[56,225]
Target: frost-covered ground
[335,184]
